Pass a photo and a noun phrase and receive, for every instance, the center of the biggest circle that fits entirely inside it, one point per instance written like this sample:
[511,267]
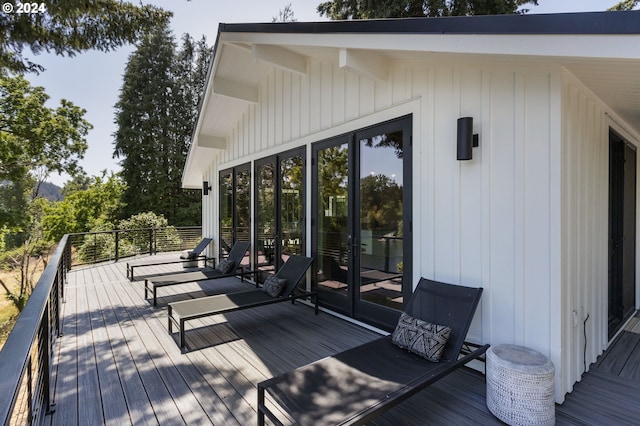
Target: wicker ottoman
[520,389]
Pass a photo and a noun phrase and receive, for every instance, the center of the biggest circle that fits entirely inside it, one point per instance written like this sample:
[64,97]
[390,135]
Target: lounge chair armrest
[474,354]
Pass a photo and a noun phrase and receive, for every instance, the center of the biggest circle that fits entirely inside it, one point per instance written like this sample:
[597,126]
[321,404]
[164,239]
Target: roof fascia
[619,22]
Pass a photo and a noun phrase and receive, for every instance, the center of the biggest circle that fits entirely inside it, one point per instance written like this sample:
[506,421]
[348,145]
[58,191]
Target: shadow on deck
[116,363]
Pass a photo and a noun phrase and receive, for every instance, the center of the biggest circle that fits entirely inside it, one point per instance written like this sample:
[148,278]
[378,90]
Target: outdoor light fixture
[466,139]
[205,188]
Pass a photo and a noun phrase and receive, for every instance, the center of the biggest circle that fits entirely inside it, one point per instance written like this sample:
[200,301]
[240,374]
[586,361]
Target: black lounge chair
[293,270]
[359,384]
[192,255]
[235,257]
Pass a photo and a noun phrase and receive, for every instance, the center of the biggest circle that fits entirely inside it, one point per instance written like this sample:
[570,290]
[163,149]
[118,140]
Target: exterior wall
[495,221]
[585,196]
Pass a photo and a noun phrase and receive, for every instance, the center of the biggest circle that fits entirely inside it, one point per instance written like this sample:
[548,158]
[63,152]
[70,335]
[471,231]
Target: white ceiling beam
[235,90]
[281,58]
[211,141]
[363,63]
[240,46]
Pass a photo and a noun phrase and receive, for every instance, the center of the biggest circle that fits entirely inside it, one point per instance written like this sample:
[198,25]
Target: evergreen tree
[625,5]
[70,27]
[361,9]
[155,116]
[285,15]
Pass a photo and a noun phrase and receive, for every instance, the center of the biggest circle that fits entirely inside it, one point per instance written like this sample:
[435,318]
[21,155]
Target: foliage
[285,15]
[3,232]
[380,204]
[82,210]
[155,115]
[625,5]
[34,141]
[101,243]
[73,26]
[27,259]
[365,9]
[79,182]
[333,187]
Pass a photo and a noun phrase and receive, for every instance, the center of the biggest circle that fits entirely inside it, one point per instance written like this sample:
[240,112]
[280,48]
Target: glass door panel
[380,220]
[226,213]
[332,228]
[235,209]
[242,230]
[265,215]
[362,221]
[280,220]
[292,205]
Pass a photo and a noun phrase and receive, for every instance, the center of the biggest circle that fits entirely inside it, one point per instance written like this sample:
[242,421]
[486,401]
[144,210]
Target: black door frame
[233,171]
[622,231]
[377,315]
[276,159]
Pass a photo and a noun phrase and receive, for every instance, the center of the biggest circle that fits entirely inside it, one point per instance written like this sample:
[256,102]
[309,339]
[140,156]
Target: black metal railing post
[25,359]
[27,368]
[117,254]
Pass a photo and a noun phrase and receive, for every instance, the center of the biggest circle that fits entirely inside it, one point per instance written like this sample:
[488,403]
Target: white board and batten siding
[504,220]
[585,197]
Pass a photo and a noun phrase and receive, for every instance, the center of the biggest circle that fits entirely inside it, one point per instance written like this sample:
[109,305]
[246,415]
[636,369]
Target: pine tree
[155,116]
[70,27]
[358,9]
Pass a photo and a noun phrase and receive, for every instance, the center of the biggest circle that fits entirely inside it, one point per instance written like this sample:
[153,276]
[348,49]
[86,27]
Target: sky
[92,80]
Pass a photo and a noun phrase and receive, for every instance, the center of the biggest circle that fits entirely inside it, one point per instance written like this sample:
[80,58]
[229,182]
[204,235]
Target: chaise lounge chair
[290,274]
[193,255]
[359,384]
[226,268]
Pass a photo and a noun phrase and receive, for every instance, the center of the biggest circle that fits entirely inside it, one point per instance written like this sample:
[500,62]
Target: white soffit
[587,46]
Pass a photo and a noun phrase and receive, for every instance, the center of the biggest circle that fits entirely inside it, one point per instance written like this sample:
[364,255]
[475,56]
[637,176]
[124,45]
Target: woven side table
[520,389]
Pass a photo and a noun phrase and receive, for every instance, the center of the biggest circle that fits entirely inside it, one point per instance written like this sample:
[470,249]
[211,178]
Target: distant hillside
[50,191]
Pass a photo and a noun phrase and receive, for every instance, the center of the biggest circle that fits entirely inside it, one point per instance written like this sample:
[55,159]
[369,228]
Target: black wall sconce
[466,139]
[205,188]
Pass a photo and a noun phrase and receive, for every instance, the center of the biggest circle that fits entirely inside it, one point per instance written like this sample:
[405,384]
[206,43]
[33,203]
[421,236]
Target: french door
[622,232]
[361,229]
[280,208]
[235,208]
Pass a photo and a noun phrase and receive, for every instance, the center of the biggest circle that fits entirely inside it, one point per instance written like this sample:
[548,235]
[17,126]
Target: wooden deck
[116,363]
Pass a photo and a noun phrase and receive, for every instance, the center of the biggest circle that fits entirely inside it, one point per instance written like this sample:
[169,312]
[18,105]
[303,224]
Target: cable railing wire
[27,370]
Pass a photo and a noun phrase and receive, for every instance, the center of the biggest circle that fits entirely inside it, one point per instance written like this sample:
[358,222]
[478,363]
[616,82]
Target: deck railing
[27,371]
[94,247]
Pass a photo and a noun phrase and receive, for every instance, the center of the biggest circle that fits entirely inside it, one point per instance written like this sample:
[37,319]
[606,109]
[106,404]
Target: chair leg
[155,296]
[181,334]
[260,405]
[127,270]
[170,325]
[146,283]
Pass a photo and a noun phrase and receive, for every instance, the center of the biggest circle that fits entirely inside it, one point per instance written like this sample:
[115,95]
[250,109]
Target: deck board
[117,364]
[66,385]
[168,357]
[114,405]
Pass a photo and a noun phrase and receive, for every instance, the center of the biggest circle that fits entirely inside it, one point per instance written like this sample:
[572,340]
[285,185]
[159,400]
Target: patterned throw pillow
[225,266]
[273,285]
[421,337]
